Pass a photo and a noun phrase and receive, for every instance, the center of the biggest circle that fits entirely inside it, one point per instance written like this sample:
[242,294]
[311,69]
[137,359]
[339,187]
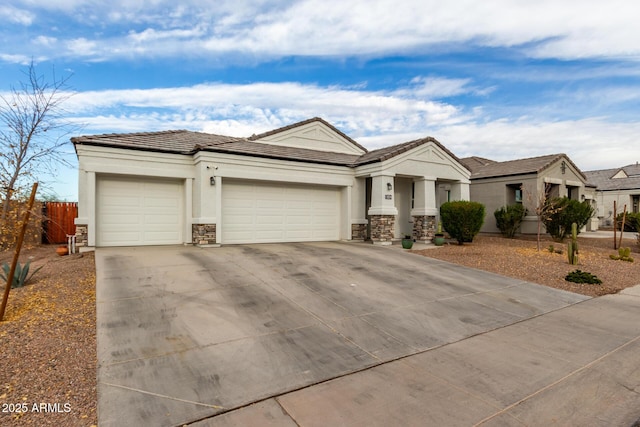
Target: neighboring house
[304,182]
[621,185]
[526,181]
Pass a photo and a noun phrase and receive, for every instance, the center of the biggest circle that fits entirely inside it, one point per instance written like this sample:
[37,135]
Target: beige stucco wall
[604,203]
[494,193]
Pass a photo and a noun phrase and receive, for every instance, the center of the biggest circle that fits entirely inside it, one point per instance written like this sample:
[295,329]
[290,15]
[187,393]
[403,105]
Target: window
[635,204]
[552,191]
[514,193]
[518,194]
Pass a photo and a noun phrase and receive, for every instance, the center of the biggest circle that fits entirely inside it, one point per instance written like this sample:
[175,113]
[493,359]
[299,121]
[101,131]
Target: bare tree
[32,133]
[543,209]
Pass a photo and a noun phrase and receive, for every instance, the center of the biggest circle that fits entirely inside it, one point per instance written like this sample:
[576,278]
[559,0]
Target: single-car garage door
[257,212]
[133,211]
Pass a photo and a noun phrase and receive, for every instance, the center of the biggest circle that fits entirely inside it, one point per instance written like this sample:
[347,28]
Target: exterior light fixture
[389,186]
[212,180]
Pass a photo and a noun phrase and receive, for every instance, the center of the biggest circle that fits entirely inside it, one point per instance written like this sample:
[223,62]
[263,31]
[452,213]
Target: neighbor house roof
[485,168]
[628,178]
[187,142]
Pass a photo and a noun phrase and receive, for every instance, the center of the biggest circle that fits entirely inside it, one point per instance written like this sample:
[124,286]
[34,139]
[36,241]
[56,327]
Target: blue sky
[502,80]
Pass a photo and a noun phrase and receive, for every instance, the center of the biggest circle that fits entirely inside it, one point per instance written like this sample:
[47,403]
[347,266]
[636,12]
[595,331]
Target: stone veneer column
[424,228]
[382,213]
[382,228]
[425,211]
[82,235]
[203,234]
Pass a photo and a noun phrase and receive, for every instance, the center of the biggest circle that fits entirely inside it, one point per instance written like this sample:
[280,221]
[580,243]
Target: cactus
[572,246]
[624,254]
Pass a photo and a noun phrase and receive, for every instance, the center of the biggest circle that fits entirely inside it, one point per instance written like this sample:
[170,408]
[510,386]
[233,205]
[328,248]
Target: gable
[620,174]
[418,158]
[313,136]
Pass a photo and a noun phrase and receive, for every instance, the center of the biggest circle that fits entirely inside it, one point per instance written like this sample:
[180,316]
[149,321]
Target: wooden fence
[58,221]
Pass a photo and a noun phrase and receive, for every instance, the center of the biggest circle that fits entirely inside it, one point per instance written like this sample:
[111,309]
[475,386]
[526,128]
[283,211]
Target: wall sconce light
[563,167]
[389,186]
[212,180]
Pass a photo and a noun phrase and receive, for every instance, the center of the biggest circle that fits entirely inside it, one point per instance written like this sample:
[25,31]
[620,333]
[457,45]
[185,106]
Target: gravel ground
[48,343]
[48,336]
[519,258]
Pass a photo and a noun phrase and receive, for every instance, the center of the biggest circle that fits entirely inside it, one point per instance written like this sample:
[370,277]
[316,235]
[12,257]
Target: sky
[503,79]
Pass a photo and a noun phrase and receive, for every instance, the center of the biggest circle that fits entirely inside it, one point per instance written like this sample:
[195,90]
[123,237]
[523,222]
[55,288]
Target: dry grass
[519,258]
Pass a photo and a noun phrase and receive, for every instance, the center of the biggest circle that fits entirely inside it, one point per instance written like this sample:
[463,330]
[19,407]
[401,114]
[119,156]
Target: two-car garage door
[260,212]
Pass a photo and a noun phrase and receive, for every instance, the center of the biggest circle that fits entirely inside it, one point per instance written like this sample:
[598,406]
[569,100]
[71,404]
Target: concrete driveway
[319,334]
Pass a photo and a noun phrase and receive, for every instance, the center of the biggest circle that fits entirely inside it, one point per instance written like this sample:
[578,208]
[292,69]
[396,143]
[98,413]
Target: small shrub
[462,219]
[509,218]
[624,254]
[551,249]
[564,212]
[21,276]
[578,276]
[631,221]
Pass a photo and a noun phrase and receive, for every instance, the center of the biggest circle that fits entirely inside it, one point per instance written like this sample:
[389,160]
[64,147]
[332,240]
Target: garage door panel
[134,211]
[258,212]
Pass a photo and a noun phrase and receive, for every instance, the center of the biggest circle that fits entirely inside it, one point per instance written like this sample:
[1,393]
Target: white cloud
[543,29]
[15,15]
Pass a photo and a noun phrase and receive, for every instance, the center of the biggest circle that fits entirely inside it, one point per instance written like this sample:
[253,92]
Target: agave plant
[21,276]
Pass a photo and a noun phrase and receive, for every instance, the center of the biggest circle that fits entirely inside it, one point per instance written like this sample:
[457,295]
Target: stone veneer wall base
[358,232]
[382,229]
[204,235]
[424,228]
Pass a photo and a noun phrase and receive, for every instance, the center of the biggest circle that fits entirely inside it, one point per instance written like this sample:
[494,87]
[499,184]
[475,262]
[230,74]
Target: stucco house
[496,184]
[303,182]
[621,185]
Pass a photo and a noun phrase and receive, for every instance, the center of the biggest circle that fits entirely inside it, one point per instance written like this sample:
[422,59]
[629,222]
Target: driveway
[185,334]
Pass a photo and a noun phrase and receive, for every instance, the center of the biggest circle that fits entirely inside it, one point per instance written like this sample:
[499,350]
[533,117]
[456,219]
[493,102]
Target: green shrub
[564,212]
[462,219]
[21,276]
[631,221]
[509,218]
[578,276]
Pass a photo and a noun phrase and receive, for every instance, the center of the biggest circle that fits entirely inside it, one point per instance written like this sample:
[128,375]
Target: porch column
[460,190]
[382,213]
[425,209]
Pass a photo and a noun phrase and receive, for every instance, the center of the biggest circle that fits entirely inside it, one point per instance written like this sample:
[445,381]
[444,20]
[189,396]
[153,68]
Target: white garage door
[254,212]
[134,211]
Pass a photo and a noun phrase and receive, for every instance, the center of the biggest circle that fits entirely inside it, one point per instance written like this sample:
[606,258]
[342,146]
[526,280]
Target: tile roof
[604,180]
[187,142]
[491,169]
[172,141]
[250,148]
[305,122]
